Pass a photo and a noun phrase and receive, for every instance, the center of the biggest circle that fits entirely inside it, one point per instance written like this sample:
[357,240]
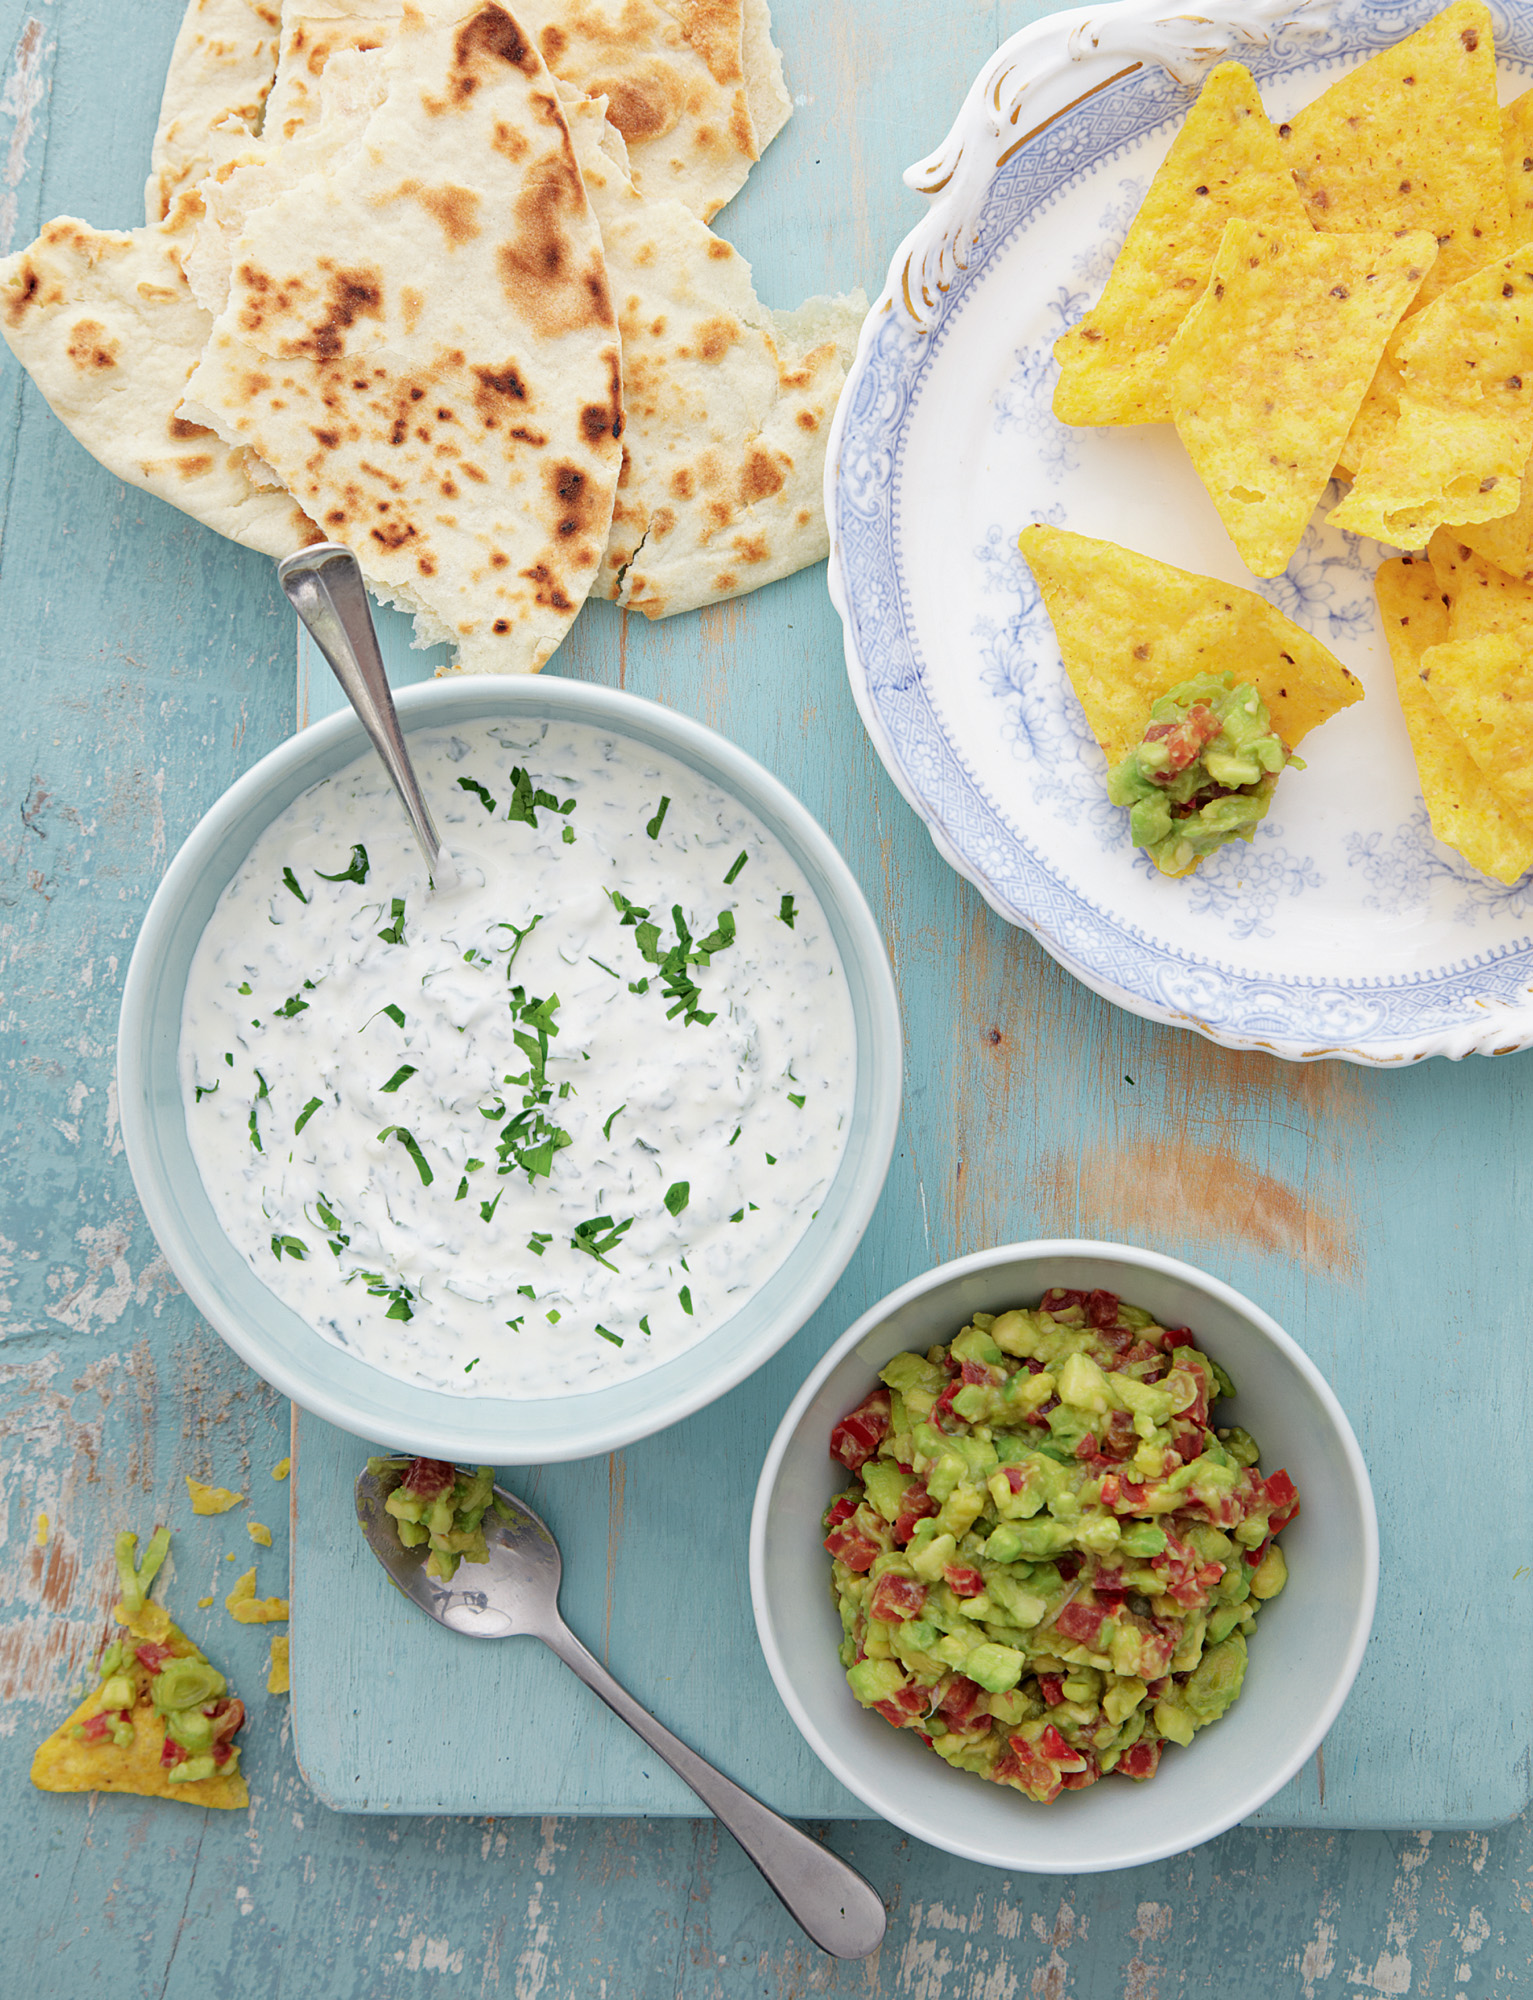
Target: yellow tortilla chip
[1483,689]
[1479,597]
[1377,417]
[1464,809]
[279,1679]
[1224,162]
[1411,139]
[1507,543]
[1129,628]
[65,1763]
[1272,363]
[245,1608]
[1465,427]
[1517,163]
[211,1499]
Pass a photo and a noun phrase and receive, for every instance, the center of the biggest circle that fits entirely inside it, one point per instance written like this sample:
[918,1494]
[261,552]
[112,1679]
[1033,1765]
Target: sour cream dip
[540,1132]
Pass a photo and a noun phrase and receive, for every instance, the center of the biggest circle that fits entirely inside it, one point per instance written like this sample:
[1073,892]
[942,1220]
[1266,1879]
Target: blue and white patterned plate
[1345,929]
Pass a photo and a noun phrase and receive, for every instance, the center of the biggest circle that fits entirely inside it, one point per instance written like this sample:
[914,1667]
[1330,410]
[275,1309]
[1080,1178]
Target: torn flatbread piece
[1224,162]
[1269,369]
[1457,450]
[221,68]
[1465,811]
[673,74]
[1483,689]
[1130,627]
[727,404]
[1409,140]
[105,324]
[420,341]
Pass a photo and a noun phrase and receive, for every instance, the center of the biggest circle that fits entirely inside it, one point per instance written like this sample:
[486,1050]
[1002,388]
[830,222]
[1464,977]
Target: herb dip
[546,1130]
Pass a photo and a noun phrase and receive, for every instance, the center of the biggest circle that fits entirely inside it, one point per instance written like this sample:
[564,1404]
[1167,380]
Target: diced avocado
[1018,1604]
[996,1668]
[885,1486]
[1190,1651]
[1098,1532]
[1215,1681]
[1045,1537]
[950,1467]
[1142,1539]
[1004,1544]
[1011,1706]
[1017,1333]
[928,1559]
[116,1693]
[975,1344]
[1173,1721]
[961,1510]
[1014,1506]
[955,1649]
[1148,1402]
[1240,1445]
[1123,1697]
[191,1771]
[191,1729]
[912,1371]
[1210,1544]
[1222,1622]
[1083,1385]
[1271,1574]
[875,1680]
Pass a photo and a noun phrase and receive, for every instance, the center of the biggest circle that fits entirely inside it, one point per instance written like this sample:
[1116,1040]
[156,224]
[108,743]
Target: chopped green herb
[290,881]
[407,1140]
[735,1134]
[676,981]
[735,866]
[488,1208]
[794,1098]
[606,1130]
[568,836]
[786,912]
[652,826]
[644,1324]
[473,785]
[229,1058]
[685,1295]
[255,1130]
[265,1090]
[205,1090]
[471,1365]
[462,1189]
[538,1242]
[615,1338]
[677,1195]
[378,1287]
[523,932]
[526,1291]
[738,1216]
[354,871]
[290,1009]
[327,1214]
[771,1159]
[515,1323]
[395,1014]
[751,1206]
[308,1111]
[638,985]
[293,1245]
[525,800]
[598,1236]
[553,1319]
[401,1075]
[606,968]
[472,1166]
[394,932]
[244,987]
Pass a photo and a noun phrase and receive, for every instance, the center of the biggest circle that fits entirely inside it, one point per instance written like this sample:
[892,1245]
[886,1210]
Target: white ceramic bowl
[1309,1641]
[272,1338]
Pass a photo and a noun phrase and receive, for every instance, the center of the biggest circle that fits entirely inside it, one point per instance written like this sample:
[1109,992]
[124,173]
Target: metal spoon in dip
[517,1591]
[324,585]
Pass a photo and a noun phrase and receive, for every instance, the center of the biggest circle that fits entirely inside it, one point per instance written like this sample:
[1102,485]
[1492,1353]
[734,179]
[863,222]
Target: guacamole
[1048,1564]
[1203,774]
[441,1505]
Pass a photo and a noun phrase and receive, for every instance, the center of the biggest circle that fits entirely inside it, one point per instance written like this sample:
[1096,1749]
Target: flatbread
[1483,688]
[64,1763]
[1464,809]
[1465,428]
[1411,139]
[1130,627]
[672,71]
[1269,369]
[727,405]
[420,341]
[1224,162]
[221,69]
[105,324]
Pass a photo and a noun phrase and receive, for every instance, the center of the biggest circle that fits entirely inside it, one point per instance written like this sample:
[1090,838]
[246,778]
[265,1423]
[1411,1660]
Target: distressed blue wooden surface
[149,664]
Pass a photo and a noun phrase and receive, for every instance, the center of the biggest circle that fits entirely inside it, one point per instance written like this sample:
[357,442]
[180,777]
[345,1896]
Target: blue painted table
[1378,1215]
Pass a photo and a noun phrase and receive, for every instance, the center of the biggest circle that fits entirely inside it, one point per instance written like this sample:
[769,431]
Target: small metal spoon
[517,1591]
[324,585]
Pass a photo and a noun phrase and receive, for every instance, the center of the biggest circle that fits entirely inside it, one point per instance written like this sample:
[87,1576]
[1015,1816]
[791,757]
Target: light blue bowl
[270,1336]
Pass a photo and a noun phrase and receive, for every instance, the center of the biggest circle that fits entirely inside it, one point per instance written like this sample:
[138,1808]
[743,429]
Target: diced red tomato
[1184,741]
[227,1717]
[962,1581]
[429,1478]
[1040,1416]
[222,1752]
[1140,1759]
[1081,1623]
[1187,1444]
[1077,1781]
[1069,1565]
[1016,1477]
[1058,1751]
[1057,1300]
[942,1410]
[960,1700]
[905,1708]
[896,1598]
[976,1371]
[95,1727]
[839,1511]
[1023,1765]
[1053,1687]
[171,1754]
[1102,1309]
[153,1655]
[916,1504]
[1124,1496]
[859,1434]
[851,1546]
[1283,1497]
[1178,1336]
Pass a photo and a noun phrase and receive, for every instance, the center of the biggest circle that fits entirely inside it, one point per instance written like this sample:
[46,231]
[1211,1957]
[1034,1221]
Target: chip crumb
[211,1499]
[260,1535]
[42,1531]
[282,1468]
[203,1603]
[245,1608]
[278,1680]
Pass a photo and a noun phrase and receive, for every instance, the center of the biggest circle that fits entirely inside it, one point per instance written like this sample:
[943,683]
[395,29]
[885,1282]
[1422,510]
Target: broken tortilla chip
[1224,162]
[1130,627]
[1483,689]
[1411,139]
[1464,809]
[1465,427]
[1478,596]
[1517,164]
[1271,366]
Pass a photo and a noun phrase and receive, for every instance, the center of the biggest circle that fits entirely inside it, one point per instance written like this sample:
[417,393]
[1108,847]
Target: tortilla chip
[1130,627]
[1508,543]
[1411,139]
[1224,162]
[1271,365]
[1517,163]
[63,1763]
[1483,688]
[1479,597]
[245,1608]
[212,1499]
[1463,807]
[279,1674]
[1374,422]
[1465,427]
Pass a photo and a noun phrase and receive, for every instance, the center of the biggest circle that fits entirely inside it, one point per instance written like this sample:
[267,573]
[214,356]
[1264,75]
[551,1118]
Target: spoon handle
[324,585]
[843,1913]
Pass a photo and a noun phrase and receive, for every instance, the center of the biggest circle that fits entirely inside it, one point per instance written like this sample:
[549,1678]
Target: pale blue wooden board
[148,664]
